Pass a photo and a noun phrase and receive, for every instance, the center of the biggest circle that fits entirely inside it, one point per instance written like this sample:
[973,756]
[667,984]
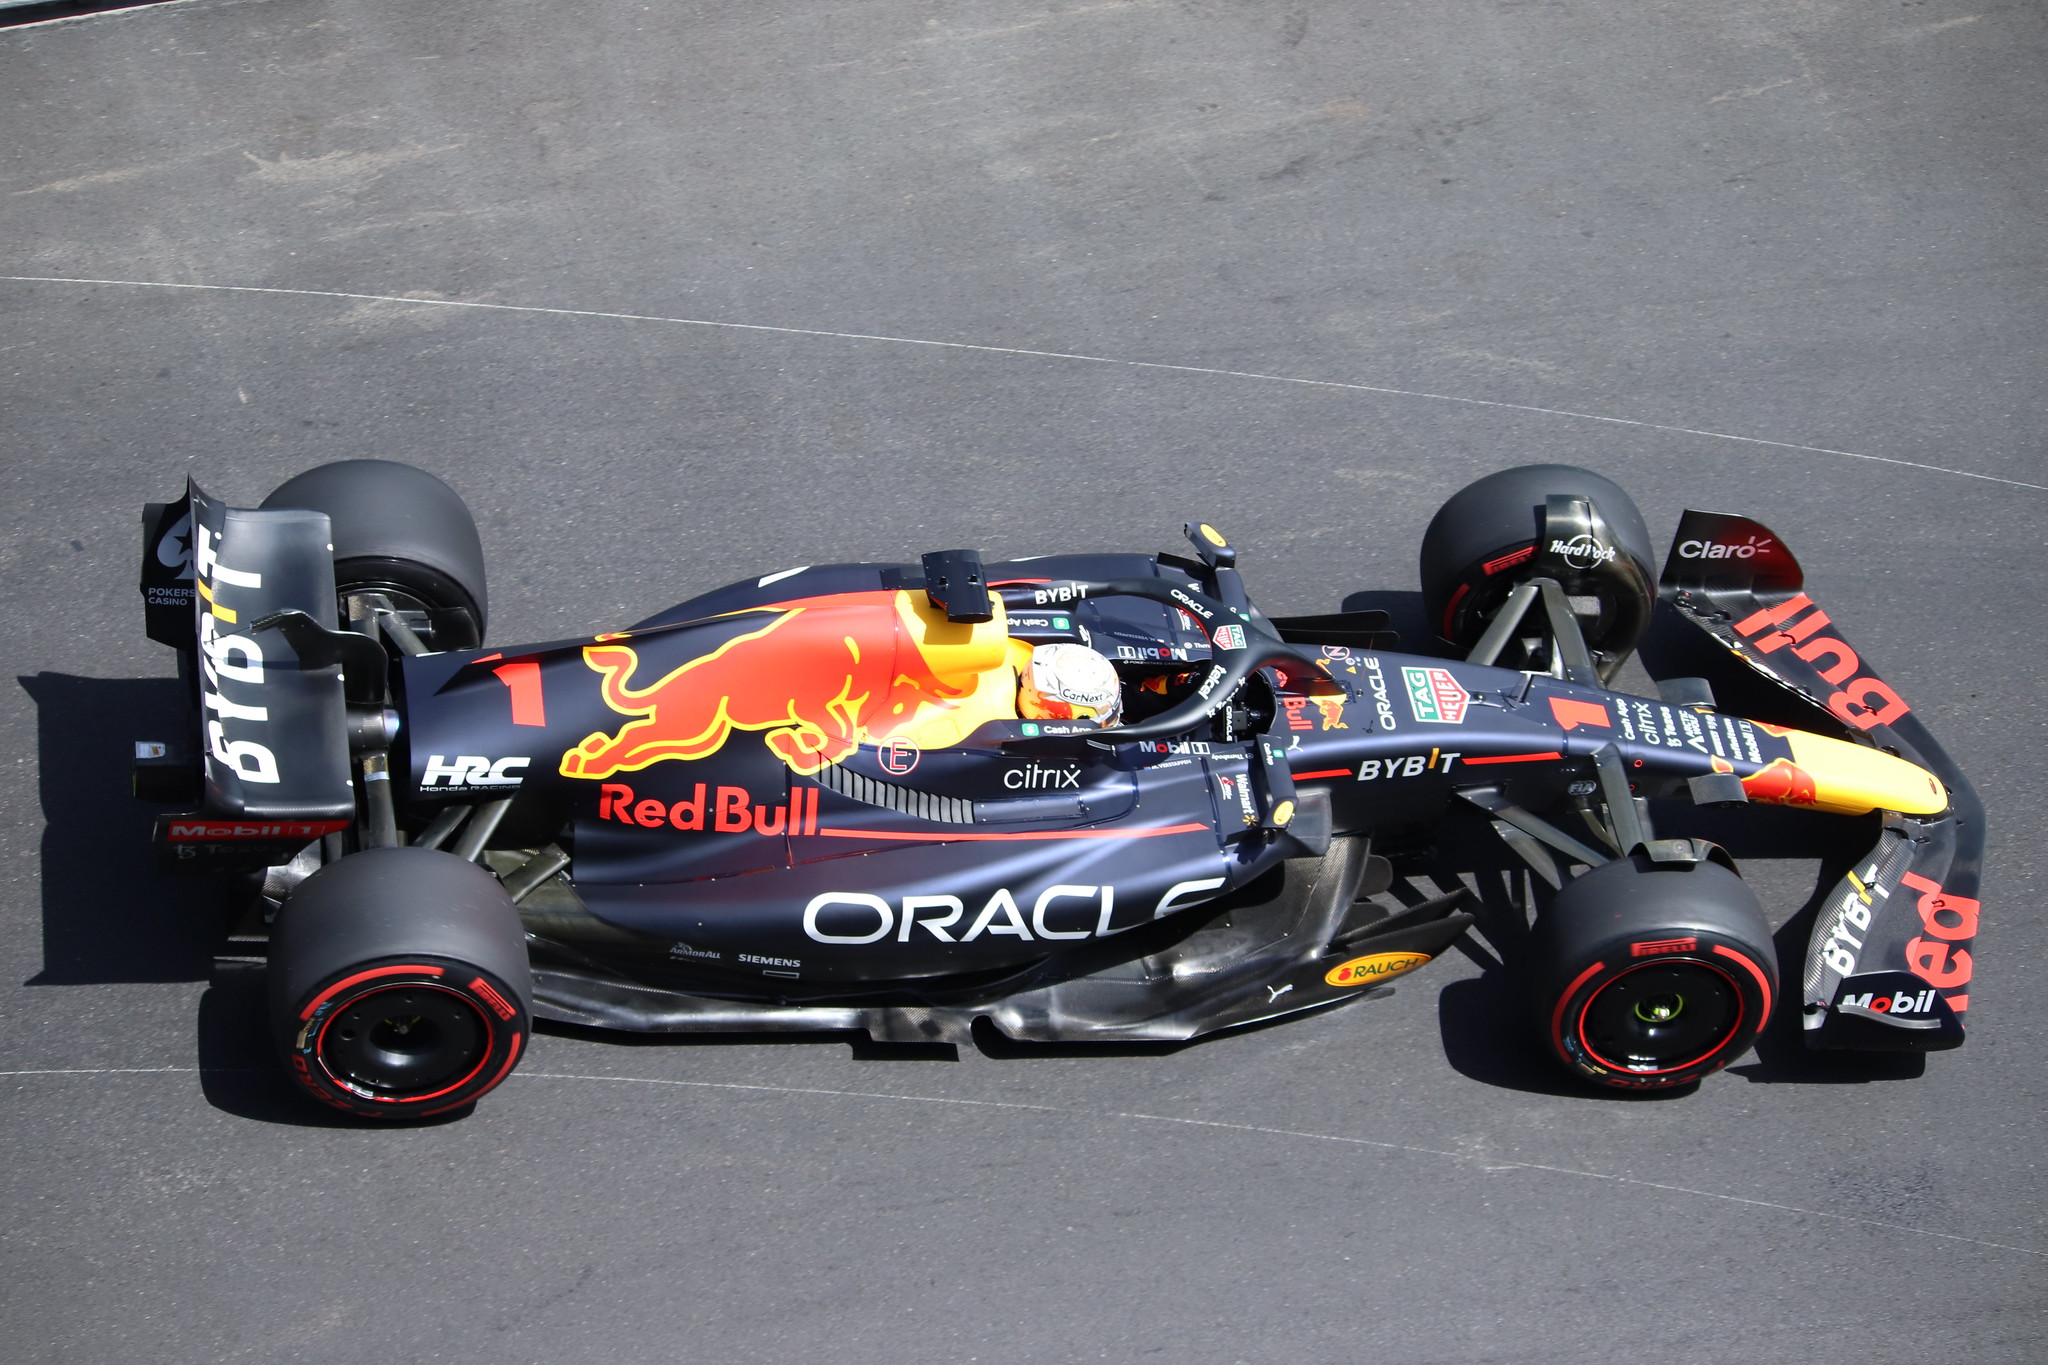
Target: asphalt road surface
[684,292]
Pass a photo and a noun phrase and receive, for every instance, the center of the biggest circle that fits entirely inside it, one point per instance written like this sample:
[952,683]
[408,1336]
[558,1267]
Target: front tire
[1489,536]
[1650,975]
[399,986]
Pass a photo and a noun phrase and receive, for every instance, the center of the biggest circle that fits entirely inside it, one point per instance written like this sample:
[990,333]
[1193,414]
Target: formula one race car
[811,800]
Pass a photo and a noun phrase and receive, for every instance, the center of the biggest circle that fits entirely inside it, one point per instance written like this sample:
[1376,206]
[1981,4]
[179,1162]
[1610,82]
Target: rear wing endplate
[272,737]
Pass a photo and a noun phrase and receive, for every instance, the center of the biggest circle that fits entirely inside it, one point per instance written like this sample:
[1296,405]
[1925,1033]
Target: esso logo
[1711,549]
[899,756]
[1583,552]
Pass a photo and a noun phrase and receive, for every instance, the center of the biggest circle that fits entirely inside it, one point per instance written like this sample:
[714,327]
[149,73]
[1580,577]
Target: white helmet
[1070,682]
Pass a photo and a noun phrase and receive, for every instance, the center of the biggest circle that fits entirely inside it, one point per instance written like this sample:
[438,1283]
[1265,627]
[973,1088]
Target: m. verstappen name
[730,810]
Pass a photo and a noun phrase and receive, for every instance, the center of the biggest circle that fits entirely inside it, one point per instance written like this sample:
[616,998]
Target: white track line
[1045,355]
[1491,1165]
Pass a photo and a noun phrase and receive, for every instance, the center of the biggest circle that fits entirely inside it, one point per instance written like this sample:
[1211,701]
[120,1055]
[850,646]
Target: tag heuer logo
[1230,637]
[1434,696]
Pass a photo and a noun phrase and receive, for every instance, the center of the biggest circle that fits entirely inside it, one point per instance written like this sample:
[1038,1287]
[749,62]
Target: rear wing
[1888,964]
[268,751]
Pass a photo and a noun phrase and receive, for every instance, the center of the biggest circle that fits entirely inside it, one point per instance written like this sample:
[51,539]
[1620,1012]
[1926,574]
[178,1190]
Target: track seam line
[1044,355]
[1492,1166]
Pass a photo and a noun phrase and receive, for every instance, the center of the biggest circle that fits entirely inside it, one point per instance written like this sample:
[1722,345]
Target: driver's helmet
[1069,682]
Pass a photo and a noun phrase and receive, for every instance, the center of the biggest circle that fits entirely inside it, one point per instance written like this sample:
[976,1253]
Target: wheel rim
[1665,1016]
[404,1042]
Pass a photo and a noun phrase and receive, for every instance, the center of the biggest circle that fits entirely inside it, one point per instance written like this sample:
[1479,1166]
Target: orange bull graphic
[821,676]
[1782,782]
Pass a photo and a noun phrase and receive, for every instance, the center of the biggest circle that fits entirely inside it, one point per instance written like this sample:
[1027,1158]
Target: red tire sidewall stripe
[1565,998]
[503,1071]
[1763,982]
[1579,1024]
[490,1046]
[425,969]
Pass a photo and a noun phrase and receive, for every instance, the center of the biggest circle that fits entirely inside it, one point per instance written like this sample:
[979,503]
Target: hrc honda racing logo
[471,770]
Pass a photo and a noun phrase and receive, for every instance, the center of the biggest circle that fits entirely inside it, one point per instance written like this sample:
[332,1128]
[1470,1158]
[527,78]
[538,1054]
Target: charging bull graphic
[821,676]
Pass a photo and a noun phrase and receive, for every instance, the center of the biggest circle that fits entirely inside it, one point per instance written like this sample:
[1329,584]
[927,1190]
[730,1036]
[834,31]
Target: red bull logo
[820,677]
[1782,782]
[720,810]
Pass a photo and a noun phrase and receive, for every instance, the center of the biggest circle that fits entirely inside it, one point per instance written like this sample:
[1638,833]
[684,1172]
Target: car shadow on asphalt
[1488,1028]
[108,915]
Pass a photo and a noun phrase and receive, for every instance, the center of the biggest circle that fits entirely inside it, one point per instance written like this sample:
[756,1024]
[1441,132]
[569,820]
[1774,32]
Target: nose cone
[1846,779]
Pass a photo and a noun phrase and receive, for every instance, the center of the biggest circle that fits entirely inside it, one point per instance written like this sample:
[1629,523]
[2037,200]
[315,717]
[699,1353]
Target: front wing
[1888,964]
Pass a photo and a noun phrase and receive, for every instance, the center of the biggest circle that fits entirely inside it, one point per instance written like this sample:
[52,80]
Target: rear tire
[1649,975]
[402,533]
[399,985]
[1488,537]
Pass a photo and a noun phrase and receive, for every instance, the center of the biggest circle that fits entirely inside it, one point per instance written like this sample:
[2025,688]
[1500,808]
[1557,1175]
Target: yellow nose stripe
[1850,779]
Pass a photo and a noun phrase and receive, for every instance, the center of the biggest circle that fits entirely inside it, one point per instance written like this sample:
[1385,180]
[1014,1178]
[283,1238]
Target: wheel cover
[1661,1017]
[404,1043]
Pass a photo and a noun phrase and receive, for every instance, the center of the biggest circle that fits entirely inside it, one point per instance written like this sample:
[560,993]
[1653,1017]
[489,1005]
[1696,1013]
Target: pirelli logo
[221,831]
[1655,946]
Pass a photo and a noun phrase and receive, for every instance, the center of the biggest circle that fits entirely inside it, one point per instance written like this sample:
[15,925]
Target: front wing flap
[1888,964]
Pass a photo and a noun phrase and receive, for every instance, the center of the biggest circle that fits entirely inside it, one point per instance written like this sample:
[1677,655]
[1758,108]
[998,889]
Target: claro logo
[1714,549]
[1864,702]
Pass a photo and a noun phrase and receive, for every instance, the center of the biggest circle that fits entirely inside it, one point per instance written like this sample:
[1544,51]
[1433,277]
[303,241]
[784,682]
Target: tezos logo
[1583,552]
[1713,549]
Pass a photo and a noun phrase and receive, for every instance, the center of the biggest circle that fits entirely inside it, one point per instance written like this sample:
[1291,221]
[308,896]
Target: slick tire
[1479,543]
[399,985]
[1649,975]
[401,532]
